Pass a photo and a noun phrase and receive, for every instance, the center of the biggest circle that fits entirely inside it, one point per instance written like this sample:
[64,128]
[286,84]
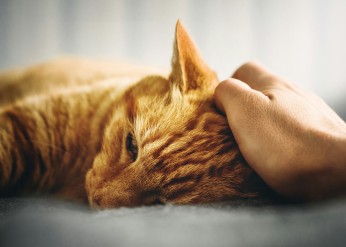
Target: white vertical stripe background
[303,40]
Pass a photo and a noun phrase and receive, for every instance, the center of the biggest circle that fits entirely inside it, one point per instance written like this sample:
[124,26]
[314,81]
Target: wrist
[325,173]
[332,180]
[340,160]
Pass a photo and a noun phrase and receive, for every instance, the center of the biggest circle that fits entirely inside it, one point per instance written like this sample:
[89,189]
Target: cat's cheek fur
[119,190]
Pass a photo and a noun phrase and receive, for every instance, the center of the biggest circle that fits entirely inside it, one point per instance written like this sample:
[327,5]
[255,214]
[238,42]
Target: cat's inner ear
[189,71]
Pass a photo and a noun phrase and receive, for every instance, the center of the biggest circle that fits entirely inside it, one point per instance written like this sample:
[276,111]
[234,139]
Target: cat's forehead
[155,108]
[155,96]
[176,114]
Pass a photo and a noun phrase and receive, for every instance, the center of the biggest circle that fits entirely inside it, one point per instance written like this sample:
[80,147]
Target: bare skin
[289,136]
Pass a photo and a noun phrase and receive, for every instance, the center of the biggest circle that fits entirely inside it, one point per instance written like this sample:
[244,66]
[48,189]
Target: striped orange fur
[118,135]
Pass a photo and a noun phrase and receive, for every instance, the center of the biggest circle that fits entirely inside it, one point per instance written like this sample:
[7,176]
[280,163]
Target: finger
[235,94]
[227,91]
[241,104]
[257,76]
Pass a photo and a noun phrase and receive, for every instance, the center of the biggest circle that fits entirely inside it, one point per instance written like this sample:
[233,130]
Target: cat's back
[68,74]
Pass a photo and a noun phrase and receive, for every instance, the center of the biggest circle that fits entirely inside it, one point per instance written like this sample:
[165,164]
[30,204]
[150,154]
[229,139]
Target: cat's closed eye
[131,146]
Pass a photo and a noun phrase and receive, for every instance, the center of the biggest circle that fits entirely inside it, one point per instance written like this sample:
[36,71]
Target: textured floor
[43,222]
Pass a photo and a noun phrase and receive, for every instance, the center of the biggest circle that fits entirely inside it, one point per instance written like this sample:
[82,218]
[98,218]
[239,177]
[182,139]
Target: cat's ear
[189,71]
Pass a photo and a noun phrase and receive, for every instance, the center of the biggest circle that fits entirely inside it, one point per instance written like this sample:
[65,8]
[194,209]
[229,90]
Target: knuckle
[223,87]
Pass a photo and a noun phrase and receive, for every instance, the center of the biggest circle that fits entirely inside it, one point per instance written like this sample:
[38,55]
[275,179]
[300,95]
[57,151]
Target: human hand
[289,136]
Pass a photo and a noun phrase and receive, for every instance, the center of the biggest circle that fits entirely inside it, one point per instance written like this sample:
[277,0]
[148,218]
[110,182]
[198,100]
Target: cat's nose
[95,201]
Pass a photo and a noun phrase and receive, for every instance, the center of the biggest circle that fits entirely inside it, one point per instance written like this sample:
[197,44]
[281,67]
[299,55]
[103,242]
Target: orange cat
[119,135]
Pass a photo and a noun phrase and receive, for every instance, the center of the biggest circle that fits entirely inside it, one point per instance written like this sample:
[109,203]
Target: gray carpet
[44,222]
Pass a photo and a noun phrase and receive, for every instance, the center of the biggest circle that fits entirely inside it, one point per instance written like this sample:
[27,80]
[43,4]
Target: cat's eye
[131,146]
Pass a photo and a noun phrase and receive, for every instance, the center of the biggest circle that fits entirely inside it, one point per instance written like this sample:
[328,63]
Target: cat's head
[166,142]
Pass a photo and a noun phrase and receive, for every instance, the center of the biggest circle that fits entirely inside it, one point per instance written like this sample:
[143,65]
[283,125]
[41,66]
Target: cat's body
[120,135]
[58,111]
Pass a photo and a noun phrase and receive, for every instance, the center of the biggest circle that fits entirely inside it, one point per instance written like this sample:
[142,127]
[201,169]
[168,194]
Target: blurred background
[302,40]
